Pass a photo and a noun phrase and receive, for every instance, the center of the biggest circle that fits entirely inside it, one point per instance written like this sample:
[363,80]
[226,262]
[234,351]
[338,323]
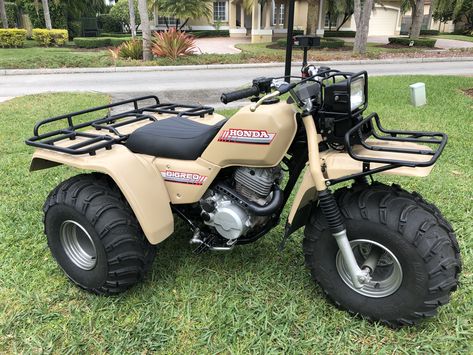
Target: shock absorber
[337,227]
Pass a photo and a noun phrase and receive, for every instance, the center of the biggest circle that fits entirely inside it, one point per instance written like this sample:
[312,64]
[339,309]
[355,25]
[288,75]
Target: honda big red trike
[376,250]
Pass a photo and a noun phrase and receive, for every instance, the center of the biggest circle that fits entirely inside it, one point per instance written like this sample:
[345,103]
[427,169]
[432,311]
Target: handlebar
[240,94]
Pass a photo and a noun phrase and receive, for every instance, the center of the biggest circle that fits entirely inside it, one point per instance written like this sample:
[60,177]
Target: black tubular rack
[110,124]
[373,124]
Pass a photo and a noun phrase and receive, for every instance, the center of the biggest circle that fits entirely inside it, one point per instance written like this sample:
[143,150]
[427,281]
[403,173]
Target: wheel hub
[386,277]
[78,245]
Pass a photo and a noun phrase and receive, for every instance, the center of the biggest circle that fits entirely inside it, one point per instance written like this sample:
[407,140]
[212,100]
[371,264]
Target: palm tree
[47,16]
[184,9]
[131,7]
[3,14]
[145,29]
[362,12]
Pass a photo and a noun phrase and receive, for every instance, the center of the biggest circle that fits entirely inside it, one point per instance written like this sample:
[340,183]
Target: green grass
[252,300]
[456,37]
[37,57]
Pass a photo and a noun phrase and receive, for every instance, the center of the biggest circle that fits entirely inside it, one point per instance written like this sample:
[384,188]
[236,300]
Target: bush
[131,50]
[172,44]
[92,42]
[115,35]
[12,14]
[429,32]
[45,37]
[209,33]
[108,23]
[120,14]
[12,37]
[324,43]
[120,40]
[344,34]
[406,41]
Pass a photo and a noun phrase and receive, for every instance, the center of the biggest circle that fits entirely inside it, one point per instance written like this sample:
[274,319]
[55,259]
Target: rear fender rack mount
[110,123]
[437,139]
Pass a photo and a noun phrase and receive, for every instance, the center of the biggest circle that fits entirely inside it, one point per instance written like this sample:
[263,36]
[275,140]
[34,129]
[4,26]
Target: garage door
[383,21]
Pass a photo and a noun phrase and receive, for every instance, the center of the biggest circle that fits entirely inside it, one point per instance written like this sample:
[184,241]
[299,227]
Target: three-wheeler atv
[376,250]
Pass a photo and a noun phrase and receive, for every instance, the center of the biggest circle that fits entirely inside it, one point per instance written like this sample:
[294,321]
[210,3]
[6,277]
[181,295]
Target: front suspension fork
[331,210]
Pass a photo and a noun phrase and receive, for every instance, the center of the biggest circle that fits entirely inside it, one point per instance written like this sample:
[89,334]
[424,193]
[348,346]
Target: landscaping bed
[252,300]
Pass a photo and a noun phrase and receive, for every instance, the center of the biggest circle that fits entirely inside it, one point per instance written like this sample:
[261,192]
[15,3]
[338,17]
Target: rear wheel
[416,256]
[94,235]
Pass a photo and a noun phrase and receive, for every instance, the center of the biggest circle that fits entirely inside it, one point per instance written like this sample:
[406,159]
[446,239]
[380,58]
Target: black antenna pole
[290,33]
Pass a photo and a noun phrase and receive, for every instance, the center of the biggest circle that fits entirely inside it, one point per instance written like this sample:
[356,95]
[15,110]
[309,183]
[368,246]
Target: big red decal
[248,136]
[183,178]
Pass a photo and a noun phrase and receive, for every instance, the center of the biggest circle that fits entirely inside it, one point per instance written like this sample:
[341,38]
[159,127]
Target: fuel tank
[259,139]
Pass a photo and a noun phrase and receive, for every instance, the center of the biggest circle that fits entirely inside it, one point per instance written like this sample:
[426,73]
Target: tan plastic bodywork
[140,177]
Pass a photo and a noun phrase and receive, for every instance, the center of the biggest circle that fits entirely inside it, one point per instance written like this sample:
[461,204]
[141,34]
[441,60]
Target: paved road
[198,86]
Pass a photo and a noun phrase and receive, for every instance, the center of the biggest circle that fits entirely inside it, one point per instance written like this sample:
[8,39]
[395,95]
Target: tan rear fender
[137,177]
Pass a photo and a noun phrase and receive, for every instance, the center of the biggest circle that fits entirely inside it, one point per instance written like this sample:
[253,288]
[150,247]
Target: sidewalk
[4,72]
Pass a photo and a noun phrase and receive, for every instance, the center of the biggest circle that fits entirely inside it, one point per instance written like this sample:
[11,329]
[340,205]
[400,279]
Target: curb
[4,72]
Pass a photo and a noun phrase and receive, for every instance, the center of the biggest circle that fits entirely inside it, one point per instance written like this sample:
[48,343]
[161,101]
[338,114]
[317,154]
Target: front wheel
[417,259]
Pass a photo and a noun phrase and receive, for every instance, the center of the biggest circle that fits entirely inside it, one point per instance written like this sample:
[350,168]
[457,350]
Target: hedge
[209,33]
[100,42]
[406,41]
[344,34]
[115,35]
[46,37]
[429,32]
[12,37]
[324,43]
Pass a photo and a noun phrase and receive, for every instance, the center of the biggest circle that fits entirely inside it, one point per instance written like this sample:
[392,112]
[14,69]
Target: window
[278,13]
[330,22]
[171,21]
[220,11]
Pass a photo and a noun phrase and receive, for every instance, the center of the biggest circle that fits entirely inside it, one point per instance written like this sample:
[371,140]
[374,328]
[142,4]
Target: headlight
[357,93]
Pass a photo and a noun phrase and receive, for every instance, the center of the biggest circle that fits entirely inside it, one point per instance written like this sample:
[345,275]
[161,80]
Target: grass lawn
[456,37]
[32,57]
[252,300]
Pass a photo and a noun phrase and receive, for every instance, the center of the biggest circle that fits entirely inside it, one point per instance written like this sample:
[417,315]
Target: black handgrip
[239,94]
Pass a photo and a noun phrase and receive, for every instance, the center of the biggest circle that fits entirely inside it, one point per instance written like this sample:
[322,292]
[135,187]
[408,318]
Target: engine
[226,214]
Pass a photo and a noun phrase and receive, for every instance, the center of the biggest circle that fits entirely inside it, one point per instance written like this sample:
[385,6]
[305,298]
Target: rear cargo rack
[357,137]
[91,142]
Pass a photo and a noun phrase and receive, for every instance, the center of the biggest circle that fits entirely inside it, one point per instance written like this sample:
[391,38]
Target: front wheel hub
[385,275]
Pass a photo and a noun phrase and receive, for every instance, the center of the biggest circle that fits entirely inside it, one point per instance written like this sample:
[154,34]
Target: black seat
[174,138]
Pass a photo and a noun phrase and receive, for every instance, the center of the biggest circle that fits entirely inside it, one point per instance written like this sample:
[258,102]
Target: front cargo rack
[384,142]
[91,142]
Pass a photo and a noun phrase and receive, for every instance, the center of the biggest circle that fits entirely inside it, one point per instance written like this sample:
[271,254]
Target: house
[428,23]
[268,19]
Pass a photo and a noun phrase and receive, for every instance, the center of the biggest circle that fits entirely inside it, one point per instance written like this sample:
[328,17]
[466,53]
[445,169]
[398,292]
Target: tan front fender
[137,177]
[302,203]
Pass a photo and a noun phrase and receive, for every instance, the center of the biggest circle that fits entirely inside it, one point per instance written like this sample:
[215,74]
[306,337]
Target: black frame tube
[290,34]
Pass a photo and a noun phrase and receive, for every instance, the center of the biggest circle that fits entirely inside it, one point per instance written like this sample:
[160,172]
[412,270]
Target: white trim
[261,32]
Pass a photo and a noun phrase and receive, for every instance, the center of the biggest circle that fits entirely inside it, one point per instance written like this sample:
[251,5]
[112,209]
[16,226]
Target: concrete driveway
[441,43]
[219,45]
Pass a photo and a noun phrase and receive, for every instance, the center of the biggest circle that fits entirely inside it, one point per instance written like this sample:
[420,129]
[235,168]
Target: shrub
[406,41]
[209,33]
[131,50]
[324,43]
[172,44]
[12,14]
[46,37]
[118,41]
[114,35]
[429,32]
[12,37]
[92,42]
[108,23]
[344,34]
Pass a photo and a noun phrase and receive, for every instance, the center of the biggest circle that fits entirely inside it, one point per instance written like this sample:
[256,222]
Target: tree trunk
[431,12]
[417,18]
[3,14]
[145,29]
[47,16]
[362,20]
[312,17]
[131,8]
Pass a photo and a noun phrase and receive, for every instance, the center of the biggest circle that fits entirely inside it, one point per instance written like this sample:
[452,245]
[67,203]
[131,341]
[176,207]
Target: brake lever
[263,99]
